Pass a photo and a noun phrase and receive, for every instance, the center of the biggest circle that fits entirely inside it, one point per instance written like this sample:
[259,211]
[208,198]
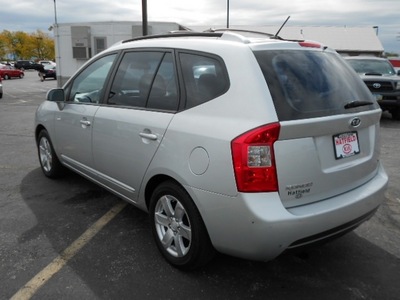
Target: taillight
[253,159]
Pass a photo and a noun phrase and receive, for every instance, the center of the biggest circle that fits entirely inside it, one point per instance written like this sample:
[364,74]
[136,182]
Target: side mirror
[55,95]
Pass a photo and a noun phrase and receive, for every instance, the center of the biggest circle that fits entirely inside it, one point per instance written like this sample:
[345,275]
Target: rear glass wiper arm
[373,74]
[357,103]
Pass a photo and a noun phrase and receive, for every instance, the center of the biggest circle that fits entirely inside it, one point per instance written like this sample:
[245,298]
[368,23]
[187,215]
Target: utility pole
[144,17]
[58,57]
[227,14]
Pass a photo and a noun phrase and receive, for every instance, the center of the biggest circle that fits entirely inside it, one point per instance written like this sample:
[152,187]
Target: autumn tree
[22,45]
[2,46]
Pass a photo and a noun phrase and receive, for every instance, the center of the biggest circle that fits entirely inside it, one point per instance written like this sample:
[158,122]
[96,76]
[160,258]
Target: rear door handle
[149,136]
[85,122]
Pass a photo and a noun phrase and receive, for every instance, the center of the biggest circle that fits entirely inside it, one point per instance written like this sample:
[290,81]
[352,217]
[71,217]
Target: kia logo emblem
[376,85]
[355,122]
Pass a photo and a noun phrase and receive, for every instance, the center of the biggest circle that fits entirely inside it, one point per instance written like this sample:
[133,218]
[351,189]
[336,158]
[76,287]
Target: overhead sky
[31,15]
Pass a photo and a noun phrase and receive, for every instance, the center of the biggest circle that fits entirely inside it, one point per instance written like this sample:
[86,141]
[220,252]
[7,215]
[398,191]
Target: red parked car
[395,63]
[8,72]
[1,89]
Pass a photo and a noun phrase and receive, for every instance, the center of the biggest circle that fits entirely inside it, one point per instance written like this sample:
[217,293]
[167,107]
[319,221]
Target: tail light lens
[253,159]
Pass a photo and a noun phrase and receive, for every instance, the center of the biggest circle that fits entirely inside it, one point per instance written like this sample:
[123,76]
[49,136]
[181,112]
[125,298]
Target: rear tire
[178,228]
[48,159]
[6,77]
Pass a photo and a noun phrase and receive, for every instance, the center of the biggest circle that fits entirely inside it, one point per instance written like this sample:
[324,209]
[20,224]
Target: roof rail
[239,31]
[176,34]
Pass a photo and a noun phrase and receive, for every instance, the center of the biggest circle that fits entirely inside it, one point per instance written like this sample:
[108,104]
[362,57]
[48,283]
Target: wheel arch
[38,129]
[153,183]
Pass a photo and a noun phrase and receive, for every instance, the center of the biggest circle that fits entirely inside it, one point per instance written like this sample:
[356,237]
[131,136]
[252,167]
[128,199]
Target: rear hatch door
[328,142]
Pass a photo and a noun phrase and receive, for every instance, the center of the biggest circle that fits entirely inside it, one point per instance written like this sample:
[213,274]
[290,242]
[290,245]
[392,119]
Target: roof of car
[256,40]
[242,36]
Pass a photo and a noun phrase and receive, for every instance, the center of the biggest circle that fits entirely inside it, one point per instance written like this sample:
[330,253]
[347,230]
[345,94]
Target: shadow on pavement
[122,261]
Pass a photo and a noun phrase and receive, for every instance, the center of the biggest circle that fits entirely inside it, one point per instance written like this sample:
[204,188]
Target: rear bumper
[258,227]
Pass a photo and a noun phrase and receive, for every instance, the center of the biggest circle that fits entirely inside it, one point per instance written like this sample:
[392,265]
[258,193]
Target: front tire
[396,114]
[6,77]
[48,159]
[178,228]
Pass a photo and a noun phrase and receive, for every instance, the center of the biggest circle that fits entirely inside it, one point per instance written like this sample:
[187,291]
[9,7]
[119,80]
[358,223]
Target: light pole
[376,29]
[58,55]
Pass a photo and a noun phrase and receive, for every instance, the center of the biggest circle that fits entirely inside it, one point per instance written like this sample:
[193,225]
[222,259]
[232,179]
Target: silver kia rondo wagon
[235,142]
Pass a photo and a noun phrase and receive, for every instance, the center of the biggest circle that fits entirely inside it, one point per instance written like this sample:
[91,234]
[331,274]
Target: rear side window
[308,84]
[204,77]
[145,80]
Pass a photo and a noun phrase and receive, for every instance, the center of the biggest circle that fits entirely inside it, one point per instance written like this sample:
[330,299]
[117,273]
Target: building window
[100,44]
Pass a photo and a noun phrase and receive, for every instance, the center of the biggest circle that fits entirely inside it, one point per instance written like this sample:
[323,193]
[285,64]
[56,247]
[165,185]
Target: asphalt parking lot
[69,239]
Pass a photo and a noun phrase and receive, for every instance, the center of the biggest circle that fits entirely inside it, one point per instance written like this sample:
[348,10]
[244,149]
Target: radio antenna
[284,23]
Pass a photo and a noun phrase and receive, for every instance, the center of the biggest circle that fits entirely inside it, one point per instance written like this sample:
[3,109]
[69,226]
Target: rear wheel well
[153,183]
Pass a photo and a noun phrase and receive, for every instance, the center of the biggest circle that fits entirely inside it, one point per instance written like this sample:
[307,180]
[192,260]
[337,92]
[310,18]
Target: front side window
[145,80]
[205,78]
[88,86]
[308,84]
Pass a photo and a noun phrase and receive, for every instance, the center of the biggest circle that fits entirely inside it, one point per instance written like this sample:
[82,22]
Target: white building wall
[113,32]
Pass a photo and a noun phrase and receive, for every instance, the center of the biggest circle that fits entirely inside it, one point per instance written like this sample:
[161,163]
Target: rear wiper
[357,103]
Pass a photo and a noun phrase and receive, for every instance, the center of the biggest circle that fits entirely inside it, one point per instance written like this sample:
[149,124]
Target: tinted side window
[205,78]
[307,84]
[164,92]
[145,79]
[88,86]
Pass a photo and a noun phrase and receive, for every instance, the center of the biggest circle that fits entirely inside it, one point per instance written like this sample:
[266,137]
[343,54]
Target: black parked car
[26,65]
[50,72]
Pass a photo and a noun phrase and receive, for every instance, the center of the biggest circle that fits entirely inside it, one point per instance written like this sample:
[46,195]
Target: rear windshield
[310,84]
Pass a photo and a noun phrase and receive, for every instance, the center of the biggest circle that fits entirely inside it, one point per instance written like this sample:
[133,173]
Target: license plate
[346,144]
[378,97]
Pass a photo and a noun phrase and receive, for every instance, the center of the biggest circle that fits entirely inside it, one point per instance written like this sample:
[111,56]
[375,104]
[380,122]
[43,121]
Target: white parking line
[30,288]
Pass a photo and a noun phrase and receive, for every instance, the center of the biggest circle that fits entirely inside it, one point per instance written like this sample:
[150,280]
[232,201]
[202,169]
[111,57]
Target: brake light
[253,159]
[310,44]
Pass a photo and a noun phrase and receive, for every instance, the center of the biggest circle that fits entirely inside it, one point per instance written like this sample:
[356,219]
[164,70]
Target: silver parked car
[246,145]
